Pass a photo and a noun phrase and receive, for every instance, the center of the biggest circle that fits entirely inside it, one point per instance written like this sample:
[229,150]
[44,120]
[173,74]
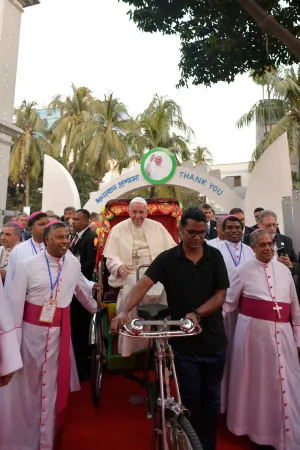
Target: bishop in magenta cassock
[33,404]
[264,394]
[234,253]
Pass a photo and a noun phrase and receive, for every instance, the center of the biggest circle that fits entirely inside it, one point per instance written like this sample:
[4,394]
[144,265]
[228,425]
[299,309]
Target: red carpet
[116,424]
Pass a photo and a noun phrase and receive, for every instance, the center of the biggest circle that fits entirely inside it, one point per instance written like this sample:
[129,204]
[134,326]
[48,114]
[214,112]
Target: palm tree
[76,112]
[279,112]
[105,135]
[201,155]
[160,125]
[28,150]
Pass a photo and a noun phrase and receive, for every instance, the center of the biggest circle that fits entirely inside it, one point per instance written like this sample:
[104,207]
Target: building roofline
[26,3]
[229,164]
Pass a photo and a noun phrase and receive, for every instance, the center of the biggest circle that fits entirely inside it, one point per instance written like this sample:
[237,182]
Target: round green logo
[158,165]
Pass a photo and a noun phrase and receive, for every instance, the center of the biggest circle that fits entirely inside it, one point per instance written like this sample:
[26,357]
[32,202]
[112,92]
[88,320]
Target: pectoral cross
[136,257]
[277,308]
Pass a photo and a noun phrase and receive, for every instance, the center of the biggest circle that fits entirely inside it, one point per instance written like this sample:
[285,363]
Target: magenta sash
[263,309]
[61,319]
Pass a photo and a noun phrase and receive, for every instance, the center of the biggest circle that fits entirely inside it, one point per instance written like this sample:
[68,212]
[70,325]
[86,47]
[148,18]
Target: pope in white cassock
[131,243]
[10,357]
[34,402]
[234,253]
[264,393]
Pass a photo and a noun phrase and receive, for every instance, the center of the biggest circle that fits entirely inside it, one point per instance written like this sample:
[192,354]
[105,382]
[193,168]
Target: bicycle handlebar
[135,329]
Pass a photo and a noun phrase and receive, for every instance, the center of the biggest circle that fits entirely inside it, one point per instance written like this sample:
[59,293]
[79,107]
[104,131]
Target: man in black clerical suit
[83,246]
[257,213]
[268,221]
[211,225]
[239,213]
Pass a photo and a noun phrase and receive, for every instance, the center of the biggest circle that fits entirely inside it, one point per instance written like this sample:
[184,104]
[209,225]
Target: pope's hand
[96,287]
[6,379]
[285,260]
[124,271]
[118,322]
[152,157]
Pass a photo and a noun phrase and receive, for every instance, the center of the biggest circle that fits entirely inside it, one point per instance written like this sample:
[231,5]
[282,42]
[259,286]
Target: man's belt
[264,309]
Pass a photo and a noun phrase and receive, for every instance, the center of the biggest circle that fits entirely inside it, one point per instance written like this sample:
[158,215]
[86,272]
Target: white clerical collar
[80,233]
[41,246]
[54,258]
[232,244]
[261,263]
[142,227]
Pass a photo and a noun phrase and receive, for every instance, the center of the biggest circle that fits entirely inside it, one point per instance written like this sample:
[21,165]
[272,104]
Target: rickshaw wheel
[97,360]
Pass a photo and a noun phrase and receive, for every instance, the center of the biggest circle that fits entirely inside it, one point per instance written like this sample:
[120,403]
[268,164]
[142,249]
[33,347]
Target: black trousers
[199,379]
[80,326]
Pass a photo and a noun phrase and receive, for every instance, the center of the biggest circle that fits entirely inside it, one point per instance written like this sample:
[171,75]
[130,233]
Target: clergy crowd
[237,282]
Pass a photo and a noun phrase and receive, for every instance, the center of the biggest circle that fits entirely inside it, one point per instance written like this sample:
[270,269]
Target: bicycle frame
[163,355]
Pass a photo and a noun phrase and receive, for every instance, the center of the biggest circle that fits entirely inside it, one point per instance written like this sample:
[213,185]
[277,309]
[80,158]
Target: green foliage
[281,110]
[90,134]
[219,39]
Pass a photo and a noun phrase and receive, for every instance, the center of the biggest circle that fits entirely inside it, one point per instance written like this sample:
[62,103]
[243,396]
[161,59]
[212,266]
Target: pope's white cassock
[10,357]
[135,246]
[264,391]
[234,255]
[33,404]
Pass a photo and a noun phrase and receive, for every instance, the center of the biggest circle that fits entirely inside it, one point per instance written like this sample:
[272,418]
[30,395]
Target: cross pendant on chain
[136,257]
[277,309]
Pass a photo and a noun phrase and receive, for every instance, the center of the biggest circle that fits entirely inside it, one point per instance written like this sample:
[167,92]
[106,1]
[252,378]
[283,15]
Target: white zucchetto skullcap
[138,200]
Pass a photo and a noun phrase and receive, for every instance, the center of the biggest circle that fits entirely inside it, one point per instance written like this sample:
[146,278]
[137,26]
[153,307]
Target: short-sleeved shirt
[188,286]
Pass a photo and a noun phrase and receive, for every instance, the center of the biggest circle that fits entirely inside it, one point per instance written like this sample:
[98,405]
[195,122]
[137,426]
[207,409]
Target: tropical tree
[76,113]
[160,125]
[201,155]
[279,112]
[237,36]
[105,135]
[28,150]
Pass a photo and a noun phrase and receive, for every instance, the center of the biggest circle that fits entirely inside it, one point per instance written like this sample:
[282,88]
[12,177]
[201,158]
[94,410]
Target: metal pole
[288,220]
[296,221]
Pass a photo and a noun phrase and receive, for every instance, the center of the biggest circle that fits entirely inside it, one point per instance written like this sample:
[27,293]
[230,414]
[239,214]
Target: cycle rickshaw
[171,427]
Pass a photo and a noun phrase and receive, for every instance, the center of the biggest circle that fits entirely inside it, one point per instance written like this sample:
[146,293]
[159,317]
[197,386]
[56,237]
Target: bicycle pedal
[137,400]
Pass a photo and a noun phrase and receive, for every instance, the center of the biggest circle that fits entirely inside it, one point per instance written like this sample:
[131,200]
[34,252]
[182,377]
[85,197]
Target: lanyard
[50,276]
[232,257]
[33,246]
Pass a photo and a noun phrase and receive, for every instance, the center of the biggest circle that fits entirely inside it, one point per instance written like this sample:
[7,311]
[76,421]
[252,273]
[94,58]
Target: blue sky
[92,43]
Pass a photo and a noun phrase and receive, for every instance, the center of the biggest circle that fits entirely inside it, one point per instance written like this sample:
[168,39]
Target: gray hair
[265,213]
[254,237]
[16,228]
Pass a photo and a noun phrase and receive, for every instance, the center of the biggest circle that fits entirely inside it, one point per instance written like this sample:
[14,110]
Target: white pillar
[10,22]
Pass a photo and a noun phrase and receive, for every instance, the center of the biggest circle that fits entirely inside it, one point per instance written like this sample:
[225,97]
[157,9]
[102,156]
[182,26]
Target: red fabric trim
[263,309]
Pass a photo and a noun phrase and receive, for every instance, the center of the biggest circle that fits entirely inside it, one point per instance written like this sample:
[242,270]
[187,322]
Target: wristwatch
[197,316]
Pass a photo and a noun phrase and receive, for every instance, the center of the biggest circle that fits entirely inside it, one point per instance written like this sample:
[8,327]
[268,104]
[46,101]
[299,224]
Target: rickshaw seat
[153,312]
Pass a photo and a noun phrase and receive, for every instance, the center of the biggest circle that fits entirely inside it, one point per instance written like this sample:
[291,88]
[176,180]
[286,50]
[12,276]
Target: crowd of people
[237,283]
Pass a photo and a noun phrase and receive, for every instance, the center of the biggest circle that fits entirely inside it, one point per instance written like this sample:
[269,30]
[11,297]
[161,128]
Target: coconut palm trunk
[27,187]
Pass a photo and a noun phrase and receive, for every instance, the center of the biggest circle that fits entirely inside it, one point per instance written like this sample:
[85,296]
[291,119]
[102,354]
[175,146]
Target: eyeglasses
[194,233]
[270,225]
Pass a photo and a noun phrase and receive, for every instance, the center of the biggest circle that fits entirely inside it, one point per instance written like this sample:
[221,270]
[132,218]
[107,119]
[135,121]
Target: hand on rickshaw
[124,271]
[118,322]
[192,316]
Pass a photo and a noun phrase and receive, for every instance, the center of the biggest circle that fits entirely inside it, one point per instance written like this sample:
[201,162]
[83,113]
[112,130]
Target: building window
[237,181]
